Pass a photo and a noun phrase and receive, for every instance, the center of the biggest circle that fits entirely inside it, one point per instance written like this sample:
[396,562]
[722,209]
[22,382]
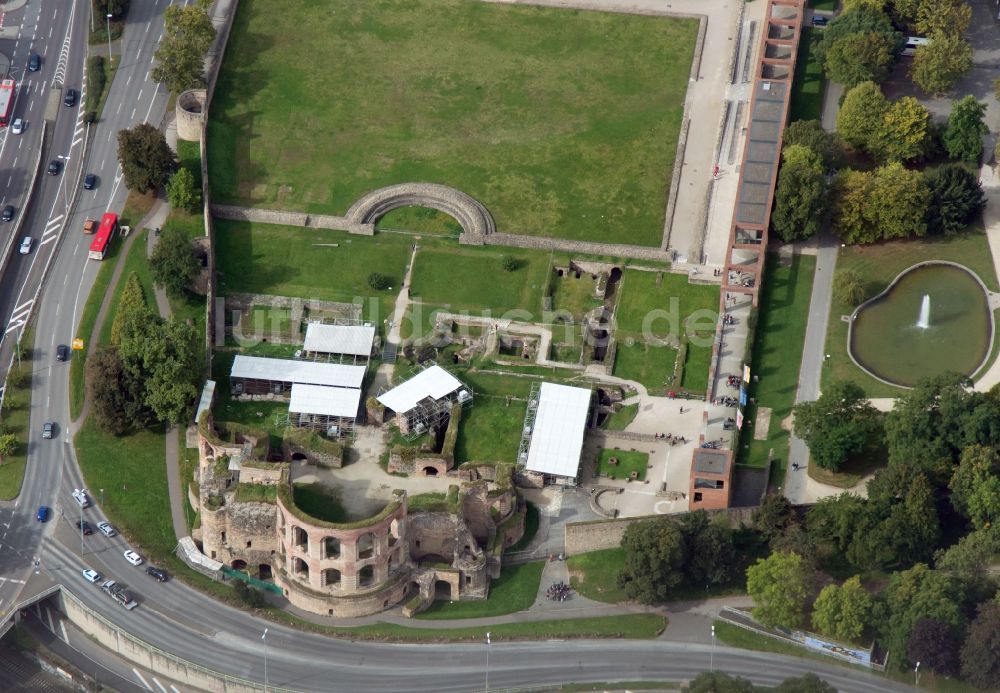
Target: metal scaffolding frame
[529,424]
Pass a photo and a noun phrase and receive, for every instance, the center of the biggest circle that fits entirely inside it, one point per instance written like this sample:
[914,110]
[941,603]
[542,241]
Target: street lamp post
[711,656]
[264,638]
[916,672]
[109,40]
[102,497]
[65,160]
[487,662]
[81,523]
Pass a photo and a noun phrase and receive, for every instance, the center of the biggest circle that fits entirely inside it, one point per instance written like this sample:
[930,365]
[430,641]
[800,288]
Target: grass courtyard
[562,122]
[626,463]
[807,89]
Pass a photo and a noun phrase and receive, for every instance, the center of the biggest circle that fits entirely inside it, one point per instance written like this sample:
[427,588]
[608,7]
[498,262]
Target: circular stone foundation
[901,337]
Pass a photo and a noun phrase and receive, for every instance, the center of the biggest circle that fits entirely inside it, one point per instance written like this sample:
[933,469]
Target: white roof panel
[557,435]
[434,382]
[323,400]
[355,340]
[305,372]
[207,395]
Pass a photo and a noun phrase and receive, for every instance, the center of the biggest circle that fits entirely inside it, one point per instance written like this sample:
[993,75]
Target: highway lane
[183,621]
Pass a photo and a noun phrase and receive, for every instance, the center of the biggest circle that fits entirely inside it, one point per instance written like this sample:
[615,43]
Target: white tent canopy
[434,382]
[304,372]
[324,401]
[355,340]
[557,435]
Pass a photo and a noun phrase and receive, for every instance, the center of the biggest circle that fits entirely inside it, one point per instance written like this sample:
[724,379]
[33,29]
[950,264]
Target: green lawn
[16,414]
[574,295]
[697,362]
[307,263]
[662,302]
[628,462]
[595,574]
[136,262]
[131,470]
[648,364]
[490,430]
[320,502]
[807,89]
[879,265]
[473,279]
[562,122]
[513,591]
[419,219]
[619,420]
[827,5]
[777,356]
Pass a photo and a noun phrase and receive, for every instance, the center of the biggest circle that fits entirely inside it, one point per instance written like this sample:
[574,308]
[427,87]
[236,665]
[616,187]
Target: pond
[933,318]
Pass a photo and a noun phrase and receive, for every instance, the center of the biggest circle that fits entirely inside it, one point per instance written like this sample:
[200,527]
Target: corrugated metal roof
[290,371]
[355,340]
[323,400]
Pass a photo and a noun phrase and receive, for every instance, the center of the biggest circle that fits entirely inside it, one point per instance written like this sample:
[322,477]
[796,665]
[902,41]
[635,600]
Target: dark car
[43,514]
[62,352]
[34,63]
[89,181]
[160,575]
[84,527]
[8,213]
[54,167]
[820,20]
[70,98]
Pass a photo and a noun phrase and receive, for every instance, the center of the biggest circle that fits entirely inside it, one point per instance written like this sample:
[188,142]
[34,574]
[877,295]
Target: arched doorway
[264,571]
[430,471]
[442,589]
[239,565]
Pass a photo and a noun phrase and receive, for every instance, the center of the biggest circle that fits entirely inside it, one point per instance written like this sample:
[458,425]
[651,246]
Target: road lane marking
[158,684]
[77,141]
[26,304]
[132,117]
[56,220]
[48,240]
[136,672]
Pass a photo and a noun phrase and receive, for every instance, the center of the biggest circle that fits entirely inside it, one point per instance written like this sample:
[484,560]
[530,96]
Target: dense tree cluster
[173,263]
[801,194]
[838,425]
[860,44]
[145,157]
[187,35]
[148,373]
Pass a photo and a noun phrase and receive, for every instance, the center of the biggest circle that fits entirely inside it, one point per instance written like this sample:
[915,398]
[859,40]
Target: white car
[92,576]
[106,529]
[25,245]
[80,496]
[132,557]
[17,127]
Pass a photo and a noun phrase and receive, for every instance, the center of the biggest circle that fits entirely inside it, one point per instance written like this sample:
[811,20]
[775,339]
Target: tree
[779,585]
[772,516]
[934,645]
[172,365]
[145,157]
[956,198]
[860,20]
[131,307]
[975,486]
[115,395]
[187,35]
[508,263]
[915,594]
[182,191]
[849,287]
[836,519]
[906,11]
[842,611]
[654,559]
[981,651]
[939,65]
[943,18]
[718,682]
[379,282]
[8,444]
[971,557]
[963,138]
[887,203]
[800,199]
[173,264]
[810,134]
[904,134]
[860,118]
[116,8]
[709,550]
[857,58]
[838,425]
[809,683]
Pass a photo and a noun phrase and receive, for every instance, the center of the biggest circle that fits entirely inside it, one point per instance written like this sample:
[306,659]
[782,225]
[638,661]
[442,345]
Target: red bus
[102,239]
[6,101]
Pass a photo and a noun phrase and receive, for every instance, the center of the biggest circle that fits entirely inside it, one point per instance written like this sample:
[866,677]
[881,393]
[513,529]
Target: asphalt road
[177,618]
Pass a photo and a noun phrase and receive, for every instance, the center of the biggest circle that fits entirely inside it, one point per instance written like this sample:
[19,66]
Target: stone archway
[470,213]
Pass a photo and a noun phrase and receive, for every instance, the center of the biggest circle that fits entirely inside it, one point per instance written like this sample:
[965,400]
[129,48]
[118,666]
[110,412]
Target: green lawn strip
[188,464]
[621,686]
[531,519]
[419,220]
[651,365]
[825,5]
[514,590]
[135,262]
[777,357]
[308,263]
[490,430]
[697,361]
[619,420]
[320,502]
[878,265]
[95,100]
[595,574]
[574,295]
[16,418]
[628,461]
[131,470]
[474,279]
[661,303]
[613,125]
[807,88]
[137,206]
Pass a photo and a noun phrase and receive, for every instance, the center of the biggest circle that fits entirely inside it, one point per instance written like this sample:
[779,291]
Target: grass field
[777,357]
[595,574]
[473,279]
[628,462]
[307,263]
[490,430]
[513,591]
[619,420]
[878,265]
[562,122]
[135,262]
[807,89]
[574,295]
[419,219]
[673,299]
[650,365]
[320,502]
[16,416]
